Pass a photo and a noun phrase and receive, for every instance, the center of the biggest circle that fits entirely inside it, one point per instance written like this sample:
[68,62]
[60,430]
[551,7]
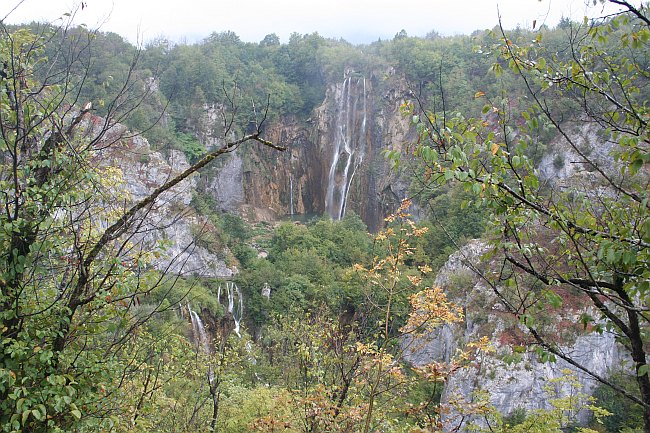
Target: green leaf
[25,416]
[527,320]
[553,299]
[629,257]
[636,165]
[516,161]
[646,230]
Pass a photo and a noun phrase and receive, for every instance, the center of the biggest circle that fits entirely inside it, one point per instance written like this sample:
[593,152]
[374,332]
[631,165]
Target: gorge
[414,235]
[333,164]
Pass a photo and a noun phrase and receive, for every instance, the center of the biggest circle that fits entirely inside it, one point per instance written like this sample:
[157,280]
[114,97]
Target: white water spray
[349,145]
[234,304]
[290,195]
[201,337]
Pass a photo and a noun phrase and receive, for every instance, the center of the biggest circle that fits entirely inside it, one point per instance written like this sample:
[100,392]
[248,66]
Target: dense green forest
[309,334]
[293,75]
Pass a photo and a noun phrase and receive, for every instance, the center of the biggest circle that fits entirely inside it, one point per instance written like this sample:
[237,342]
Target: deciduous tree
[588,235]
[71,265]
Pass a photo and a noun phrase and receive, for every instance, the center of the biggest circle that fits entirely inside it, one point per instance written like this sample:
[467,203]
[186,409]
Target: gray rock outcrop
[171,225]
[511,385]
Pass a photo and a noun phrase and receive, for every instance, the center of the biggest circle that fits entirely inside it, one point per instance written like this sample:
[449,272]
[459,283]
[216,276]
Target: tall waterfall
[201,338]
[291,195]
[234,304]
[349,145]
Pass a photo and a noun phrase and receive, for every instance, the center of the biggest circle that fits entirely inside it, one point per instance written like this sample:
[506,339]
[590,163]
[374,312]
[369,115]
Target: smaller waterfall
[201,338]
[234,304]
[266,291]
[291,195]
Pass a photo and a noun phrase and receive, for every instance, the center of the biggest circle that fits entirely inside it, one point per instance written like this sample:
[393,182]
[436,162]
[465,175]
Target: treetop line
[326,349]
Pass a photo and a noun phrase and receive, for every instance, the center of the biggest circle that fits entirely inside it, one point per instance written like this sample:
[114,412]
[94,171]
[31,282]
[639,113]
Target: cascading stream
[201,338]
[234,305]
[359,158]
[331,181]
[235,308]
[349,145]
[291,195]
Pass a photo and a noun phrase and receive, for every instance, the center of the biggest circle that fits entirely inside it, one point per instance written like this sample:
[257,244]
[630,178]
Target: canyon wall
[333,163]
[171,226]
[513,377]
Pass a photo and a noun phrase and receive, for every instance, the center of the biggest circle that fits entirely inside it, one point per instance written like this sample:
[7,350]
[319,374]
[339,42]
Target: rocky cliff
[171,224]
[513,377]
[333,163]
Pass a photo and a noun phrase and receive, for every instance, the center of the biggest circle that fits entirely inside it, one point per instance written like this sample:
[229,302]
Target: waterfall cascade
[349,145]
[266,291]
[234,304]
[291,195]
[201,337]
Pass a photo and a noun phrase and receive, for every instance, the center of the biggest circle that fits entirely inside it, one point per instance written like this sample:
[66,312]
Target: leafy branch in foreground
[587,234]
[70,254]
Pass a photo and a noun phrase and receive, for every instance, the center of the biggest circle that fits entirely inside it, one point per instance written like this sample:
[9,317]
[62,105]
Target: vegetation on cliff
[587,235]
[95,339]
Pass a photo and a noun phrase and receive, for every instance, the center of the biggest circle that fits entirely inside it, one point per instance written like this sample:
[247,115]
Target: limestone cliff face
[333,162]
[171,224]
[575,164]
[514,377]
[511,385]
[226,184]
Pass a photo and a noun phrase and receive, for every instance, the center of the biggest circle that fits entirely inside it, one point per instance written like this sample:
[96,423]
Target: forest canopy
[315,329]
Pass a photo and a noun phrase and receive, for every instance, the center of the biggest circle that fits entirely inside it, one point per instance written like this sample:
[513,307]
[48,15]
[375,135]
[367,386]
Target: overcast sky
[358,21]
